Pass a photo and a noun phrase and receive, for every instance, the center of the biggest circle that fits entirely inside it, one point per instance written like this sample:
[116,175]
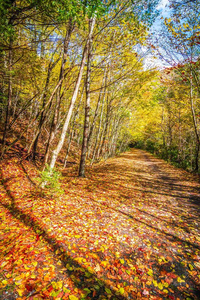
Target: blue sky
[164,10]
[162,4]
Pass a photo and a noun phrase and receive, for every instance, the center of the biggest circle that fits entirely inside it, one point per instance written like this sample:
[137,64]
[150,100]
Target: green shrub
[50,179]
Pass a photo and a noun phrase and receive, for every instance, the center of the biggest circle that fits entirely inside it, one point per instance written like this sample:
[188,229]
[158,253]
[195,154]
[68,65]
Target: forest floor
[130,230]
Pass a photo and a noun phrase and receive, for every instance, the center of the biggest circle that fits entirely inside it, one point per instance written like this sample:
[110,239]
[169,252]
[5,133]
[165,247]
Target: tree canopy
[73,73]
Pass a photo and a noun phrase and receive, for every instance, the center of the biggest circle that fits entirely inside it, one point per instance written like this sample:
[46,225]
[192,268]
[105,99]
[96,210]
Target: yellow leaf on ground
[26,267]
[160,286]
[20,292]
[150,272]
[191,267]
[165,284]
[59,285]
[72,297]
[79,259]
[53,267]
[104,263]
[179,279]
[121,291]
[155,283]
[19,277]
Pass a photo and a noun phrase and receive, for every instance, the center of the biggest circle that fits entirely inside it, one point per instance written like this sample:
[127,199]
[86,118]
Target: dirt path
[131,230]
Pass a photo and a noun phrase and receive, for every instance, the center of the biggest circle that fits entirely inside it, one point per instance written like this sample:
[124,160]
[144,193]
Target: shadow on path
[121,186]
[83,278]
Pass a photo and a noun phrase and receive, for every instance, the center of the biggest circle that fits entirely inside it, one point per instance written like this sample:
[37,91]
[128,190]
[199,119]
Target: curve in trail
[131,230]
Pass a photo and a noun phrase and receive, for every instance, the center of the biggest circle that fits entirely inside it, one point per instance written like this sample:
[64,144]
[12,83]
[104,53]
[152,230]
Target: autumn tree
[178,45]
[24,29]
[63,48]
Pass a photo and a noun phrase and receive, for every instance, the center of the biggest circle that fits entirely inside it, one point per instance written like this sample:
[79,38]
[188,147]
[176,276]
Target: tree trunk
[106,129]
[87,109]
[96,112]
[9,102]
[99,129]
[196,166]
[113,136]
[99,147]
[72,129]
[74,97]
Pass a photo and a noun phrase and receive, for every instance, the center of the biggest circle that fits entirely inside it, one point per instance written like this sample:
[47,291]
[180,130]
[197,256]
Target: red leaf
[141,249]
[29,287]
[50,289]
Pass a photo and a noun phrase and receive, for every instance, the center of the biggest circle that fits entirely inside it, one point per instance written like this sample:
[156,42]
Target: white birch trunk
[73,100]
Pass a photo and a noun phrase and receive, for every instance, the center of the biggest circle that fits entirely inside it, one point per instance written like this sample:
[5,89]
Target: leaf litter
[130,230]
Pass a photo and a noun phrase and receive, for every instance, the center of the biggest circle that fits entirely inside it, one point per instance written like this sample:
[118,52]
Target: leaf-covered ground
[130,230]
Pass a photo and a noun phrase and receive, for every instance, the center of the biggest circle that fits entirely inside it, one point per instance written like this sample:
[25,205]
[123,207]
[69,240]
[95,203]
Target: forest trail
[130,230]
